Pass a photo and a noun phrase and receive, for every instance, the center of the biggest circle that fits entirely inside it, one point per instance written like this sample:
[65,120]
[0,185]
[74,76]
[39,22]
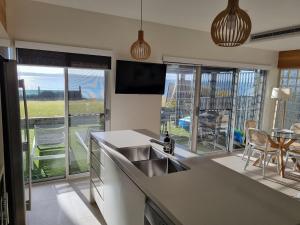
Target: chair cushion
[296,151]
[270,149]
[273,149]
[295,146]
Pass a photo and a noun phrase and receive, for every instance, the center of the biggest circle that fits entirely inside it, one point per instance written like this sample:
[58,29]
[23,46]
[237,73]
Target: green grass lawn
[43,108]
[56,108]
[86,107]
[182,137]
[78,155]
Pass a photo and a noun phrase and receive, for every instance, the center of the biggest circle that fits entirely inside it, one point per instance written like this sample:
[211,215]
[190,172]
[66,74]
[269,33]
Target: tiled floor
[63,203]
[289,187]
[67,202]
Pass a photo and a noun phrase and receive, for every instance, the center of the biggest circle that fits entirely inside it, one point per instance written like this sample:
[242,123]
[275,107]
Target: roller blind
[62,59]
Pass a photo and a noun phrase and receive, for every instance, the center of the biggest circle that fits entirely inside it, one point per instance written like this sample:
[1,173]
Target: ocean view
[49,83]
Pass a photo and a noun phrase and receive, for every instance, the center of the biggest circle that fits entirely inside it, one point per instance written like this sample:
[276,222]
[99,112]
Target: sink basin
[141,153]
[159,167]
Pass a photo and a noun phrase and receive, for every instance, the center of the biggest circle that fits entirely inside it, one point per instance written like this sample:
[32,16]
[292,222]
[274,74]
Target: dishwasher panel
[154,216]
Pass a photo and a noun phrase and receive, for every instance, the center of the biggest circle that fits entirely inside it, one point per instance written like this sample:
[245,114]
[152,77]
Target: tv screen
[140,78]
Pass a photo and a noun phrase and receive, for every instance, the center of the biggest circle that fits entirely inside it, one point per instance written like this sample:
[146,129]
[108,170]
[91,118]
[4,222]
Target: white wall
[38,22]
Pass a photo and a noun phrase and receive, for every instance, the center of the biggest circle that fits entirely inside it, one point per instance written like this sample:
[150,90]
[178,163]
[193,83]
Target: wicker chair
[294,149]
[259,143]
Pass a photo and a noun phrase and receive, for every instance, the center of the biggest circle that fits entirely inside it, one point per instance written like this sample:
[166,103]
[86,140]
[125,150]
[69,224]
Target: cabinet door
[124,203]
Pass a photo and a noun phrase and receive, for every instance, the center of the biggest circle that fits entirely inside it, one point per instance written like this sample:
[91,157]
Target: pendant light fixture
[232,26]
[140,50]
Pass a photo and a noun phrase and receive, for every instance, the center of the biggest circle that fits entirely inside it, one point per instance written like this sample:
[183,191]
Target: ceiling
[198,14]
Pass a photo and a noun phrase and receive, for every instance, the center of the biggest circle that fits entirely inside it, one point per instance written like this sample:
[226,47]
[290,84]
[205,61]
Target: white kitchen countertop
[208,193]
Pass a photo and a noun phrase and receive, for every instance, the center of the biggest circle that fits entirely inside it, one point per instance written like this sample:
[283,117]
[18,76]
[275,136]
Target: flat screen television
[140,78]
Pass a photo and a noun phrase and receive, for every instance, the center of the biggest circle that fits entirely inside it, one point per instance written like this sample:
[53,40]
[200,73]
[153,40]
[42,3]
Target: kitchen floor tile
[63,203]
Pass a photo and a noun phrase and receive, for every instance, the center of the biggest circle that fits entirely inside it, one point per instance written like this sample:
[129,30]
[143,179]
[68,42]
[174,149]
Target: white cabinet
[97,176]
[122,202]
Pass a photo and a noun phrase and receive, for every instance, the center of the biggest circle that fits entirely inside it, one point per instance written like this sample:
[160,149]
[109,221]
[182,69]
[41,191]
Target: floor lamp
[281,95]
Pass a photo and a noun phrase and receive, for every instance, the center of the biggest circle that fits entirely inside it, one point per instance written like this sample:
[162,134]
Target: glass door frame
[197,99]
[196,109]
[60,177]
[260,80]
[26,145]
[182,79]
[66,119]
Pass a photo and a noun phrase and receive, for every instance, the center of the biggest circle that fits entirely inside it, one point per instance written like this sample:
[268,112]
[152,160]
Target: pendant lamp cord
[141,14]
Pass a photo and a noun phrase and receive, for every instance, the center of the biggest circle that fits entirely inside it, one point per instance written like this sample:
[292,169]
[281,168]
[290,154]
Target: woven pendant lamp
[140,50]
[232,26]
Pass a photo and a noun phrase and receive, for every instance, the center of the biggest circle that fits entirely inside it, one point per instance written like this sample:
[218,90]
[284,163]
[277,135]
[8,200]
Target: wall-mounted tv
[140,78]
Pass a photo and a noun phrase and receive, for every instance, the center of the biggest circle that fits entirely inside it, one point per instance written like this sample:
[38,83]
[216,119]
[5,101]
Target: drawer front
[97,183]
[97,197]
[97,151]
[98,167]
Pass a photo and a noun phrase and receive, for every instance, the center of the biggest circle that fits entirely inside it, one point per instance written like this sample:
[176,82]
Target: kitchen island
[207,193]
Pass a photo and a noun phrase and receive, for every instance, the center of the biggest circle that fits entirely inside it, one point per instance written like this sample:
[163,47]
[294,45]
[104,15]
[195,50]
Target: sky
[52,78]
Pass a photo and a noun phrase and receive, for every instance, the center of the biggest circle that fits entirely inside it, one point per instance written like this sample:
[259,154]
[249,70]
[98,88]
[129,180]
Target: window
[249,101]
[290,78]
[215,111]
[177,104]
[86,98]
[44,89]
[51,134]
[65,97]
[224,94]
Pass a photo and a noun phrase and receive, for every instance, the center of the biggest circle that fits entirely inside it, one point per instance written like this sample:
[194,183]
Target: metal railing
[81,119]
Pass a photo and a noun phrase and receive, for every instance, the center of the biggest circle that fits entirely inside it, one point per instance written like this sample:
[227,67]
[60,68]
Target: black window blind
[62,59]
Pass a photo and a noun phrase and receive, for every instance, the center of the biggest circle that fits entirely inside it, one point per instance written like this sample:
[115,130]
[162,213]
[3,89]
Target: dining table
[283,139]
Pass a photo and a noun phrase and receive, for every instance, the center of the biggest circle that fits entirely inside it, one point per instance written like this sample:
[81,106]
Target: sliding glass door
[86,101]
[64,106]
[249,102]
[215,110]
[177,104]
[204,108]
[44,90]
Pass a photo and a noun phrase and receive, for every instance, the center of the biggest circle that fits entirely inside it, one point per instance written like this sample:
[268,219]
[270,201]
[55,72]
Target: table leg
[282,166]
[283,147]
[280,142]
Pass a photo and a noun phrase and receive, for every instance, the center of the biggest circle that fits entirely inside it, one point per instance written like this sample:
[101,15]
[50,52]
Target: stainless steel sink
[141,153]
[159,167]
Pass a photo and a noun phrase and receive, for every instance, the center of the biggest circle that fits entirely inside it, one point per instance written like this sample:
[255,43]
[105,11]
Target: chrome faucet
[168,146]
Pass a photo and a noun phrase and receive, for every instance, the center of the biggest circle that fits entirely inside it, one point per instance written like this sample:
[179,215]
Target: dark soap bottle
[167,143]
[167,138]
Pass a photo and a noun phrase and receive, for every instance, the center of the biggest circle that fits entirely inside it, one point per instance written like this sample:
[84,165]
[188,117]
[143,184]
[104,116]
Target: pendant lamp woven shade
[140,49]
[232,26]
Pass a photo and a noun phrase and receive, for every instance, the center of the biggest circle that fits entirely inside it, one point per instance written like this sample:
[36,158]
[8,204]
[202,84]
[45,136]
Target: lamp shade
[232,26]
[281,93]
[140,49]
